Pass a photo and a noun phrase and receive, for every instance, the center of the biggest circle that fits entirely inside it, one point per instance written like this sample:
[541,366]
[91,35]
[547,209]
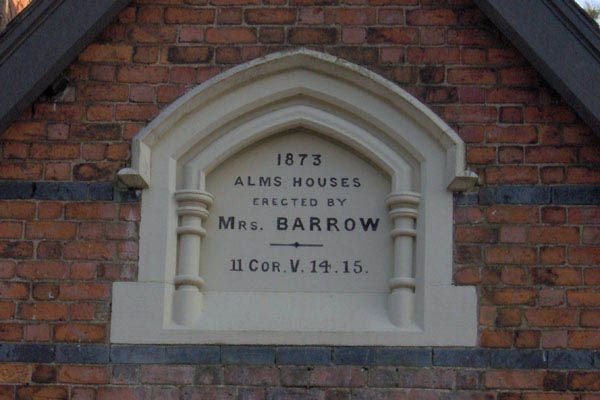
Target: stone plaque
[297,213]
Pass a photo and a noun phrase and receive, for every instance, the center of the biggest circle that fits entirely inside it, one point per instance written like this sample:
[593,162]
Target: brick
[590,318]
[20,170]
[354,355]
[583,297]
[588,381]
[171,375]
[269,16]
[68,191]
[508,317]
[7,310]
[510,155]
[551,317]
[252,376]
[518,359]
[49,250]
[473,234]
[553,235]
[555,114]
[145,55]
[78,332]
[58,111]
[78,354]
[584,255]
[584,195]
[50,230]
[15,373]
[135,112]
[558,276]
[511,175]
[392,35]
[141,94]
[477,76]
[512,134]
[570,359]
[431,17]
[448,357]
[230,35]
[247,355]
[189,55]
[91,211]
[481,155]
[57,171]
[513,234]
[584,215]
[89,251]
[25,131]
[527,339]
[495,338]
[583,175]
[510,255]
[43,311]
[550,154]
[312,35]
[7,269]
[16,150]
[469,113]
[11,230]
[165,354]
[83,374]
[18,209]
[86,132]
[189,16]
[321,376]
[302,355]
[11,332]
[418,357]
[14,249]
[142,74]
[517,194]
[584,339]
[85,291]
[514,379]
[106,53]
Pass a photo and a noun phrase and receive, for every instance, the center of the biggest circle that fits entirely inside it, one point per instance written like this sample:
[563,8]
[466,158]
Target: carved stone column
[192,209]
[403,208]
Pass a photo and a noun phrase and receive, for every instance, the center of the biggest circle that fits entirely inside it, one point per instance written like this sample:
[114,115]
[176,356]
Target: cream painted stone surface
[297,213]
[399,160]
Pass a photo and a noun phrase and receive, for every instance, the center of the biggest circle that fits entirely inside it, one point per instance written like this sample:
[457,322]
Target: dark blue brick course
[16,190]
[570,359]
[466,199]
[518,359]
[85,354]
[354,355]
[149,354]
[303,355]
[522,195]
[471,358]
[418,357]
[248,355]
[101,191]
[576,195]
[40,353]
[65,191]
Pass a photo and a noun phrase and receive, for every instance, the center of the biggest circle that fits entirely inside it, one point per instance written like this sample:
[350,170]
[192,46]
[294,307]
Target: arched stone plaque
[298,199]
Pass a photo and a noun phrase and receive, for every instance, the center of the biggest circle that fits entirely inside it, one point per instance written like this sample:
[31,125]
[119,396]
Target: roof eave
[46,40]
[545,32]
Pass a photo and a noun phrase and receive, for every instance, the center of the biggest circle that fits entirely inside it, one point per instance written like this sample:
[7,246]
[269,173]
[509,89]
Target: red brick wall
[529,240]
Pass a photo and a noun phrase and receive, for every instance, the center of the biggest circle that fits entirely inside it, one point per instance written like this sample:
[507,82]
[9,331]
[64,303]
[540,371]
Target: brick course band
[65,191]
[302,355]
[560,194]
[105,191]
